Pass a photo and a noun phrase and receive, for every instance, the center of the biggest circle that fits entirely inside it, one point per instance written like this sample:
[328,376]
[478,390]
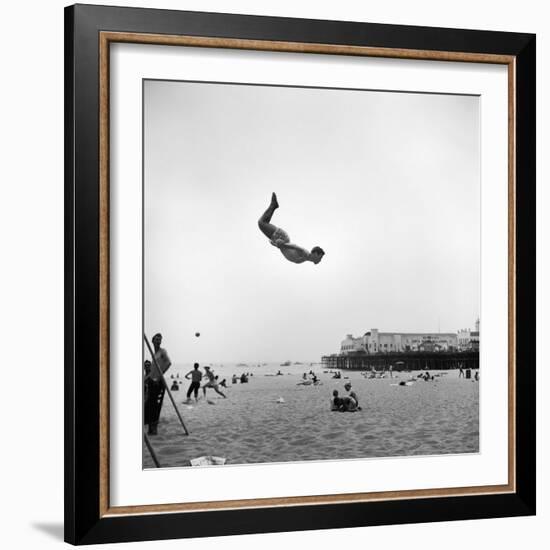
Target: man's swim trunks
[280,235]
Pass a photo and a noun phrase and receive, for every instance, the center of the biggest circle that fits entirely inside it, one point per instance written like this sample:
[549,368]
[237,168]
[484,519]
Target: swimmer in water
[279,238]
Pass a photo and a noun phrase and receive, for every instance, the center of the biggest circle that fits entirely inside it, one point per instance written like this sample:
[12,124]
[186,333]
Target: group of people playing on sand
[212,381]
[154,384]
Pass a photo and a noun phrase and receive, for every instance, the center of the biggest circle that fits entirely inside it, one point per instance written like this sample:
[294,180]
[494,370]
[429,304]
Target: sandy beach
[251,426]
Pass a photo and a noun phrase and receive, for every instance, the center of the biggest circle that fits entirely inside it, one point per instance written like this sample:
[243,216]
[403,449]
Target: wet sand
[426,418]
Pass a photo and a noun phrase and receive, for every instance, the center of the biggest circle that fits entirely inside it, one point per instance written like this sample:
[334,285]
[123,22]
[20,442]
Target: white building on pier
[469,339]
[375,341]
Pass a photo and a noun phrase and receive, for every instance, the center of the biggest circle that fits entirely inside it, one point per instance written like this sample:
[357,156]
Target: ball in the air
[197,334]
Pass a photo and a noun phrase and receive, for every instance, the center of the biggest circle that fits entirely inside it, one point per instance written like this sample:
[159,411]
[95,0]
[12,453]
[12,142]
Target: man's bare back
[279,238]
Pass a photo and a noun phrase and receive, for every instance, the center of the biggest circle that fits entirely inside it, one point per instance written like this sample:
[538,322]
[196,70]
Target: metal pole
[166,385]
[151,451]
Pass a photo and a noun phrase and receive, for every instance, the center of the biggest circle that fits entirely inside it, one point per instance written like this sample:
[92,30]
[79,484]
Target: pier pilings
[403,361]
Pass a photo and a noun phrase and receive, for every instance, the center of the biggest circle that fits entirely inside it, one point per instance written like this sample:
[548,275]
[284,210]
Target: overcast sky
[388,184]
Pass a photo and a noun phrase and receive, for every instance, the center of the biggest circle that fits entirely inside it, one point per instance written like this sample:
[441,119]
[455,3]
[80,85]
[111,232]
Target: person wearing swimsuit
[196,377]
[279,238]
[212,382]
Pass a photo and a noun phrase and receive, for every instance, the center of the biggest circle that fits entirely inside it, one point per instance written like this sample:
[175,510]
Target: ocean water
[252,426]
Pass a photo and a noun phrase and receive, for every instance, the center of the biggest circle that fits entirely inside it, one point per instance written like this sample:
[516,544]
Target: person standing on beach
[146,372]
[196,377]
[155,385]
[279,238]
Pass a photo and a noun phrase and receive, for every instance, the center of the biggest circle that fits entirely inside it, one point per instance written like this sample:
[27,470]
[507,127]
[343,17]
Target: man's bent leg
[267,228]
[264,224]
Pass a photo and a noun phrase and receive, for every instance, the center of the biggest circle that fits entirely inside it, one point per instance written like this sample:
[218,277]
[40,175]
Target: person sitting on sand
[212,382]
[353,403]
[335,402]
[349,404]
[196,377]
[279,238]
[342,404]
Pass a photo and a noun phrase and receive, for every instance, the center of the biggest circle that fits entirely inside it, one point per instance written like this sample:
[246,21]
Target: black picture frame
[84,522]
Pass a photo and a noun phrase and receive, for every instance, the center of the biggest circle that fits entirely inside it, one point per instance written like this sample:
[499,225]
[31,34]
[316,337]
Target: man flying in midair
[279,238]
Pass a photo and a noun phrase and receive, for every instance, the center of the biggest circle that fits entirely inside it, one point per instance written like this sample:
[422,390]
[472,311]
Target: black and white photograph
[300,274]
[311,274]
